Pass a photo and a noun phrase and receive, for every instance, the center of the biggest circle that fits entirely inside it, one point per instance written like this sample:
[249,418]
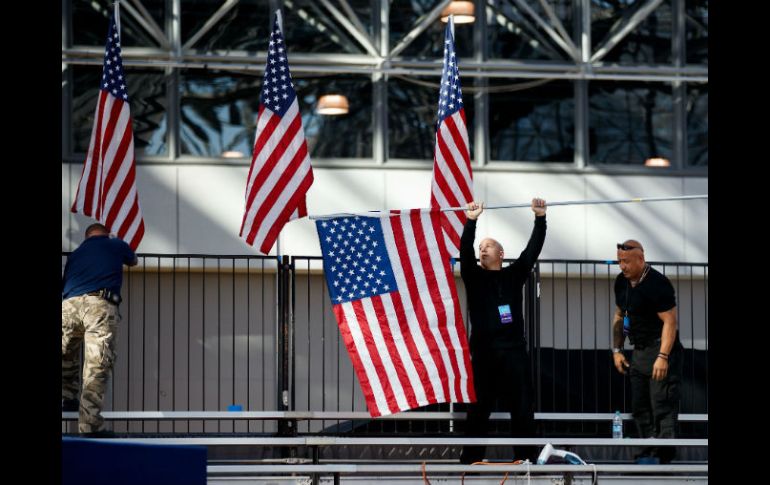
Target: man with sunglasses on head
[501,364]
[646,313]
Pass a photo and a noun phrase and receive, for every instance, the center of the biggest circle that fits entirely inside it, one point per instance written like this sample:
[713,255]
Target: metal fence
[212,333]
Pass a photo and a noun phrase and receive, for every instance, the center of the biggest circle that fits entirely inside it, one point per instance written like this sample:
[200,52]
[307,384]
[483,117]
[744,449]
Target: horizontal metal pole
[446,468]
[332,415]
[402,441]
[526,204]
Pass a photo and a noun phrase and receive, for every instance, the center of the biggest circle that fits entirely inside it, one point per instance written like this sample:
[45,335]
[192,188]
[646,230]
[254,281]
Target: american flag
[452,184]
[107,187]
[396,304]
[280,173]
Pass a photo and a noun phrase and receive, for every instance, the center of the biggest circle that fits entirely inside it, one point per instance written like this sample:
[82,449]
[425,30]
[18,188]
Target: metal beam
[216,17]
[161,38]
[560,27]
[419,28]
[530,30]
[357,34]
[155,28]
[614,38]
[573,54]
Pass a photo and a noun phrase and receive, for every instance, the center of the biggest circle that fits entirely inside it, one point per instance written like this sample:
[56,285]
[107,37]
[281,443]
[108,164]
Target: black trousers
[655,404]
[503,382]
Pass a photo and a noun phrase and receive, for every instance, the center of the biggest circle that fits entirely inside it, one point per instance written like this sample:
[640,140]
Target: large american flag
[396,304]
[452,184]
[107,187]
[280,173]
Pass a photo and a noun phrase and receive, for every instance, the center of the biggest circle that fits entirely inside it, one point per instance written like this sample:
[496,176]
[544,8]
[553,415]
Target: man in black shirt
[501,364]
[646,313]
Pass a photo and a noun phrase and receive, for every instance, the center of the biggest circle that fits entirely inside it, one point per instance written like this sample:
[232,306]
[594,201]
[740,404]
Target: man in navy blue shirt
[89,312]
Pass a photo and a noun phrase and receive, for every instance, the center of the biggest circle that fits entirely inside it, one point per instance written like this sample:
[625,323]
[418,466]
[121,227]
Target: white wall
[198,209]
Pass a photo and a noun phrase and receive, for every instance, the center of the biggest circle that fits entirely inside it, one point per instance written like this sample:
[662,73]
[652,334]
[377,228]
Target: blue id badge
[505,313]
[626,325]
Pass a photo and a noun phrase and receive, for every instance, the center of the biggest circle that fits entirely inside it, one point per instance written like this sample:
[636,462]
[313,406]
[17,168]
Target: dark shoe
[98,434]
[70,405]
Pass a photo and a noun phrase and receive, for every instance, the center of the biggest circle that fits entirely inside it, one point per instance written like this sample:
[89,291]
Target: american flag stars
[360,265]
[277,90]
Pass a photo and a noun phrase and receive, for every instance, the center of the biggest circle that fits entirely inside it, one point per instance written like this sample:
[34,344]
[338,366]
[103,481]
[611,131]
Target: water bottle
[617,425]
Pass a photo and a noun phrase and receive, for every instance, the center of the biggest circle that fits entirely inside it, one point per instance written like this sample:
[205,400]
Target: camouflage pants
[93,320]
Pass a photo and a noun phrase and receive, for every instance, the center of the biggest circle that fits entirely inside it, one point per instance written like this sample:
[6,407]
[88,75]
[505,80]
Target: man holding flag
[501,364]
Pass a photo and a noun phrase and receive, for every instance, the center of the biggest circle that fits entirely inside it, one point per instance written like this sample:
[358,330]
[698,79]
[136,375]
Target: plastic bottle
[617,425]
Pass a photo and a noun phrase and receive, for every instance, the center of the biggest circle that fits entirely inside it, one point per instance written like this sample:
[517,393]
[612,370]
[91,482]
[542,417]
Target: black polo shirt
[653,295]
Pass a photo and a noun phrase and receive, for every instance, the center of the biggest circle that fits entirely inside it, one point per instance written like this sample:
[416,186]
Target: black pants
[655,404]
[501,375]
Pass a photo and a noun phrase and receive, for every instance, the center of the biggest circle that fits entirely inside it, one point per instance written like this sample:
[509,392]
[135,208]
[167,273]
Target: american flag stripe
[280,173]
[399,355]
[444,303]
[284,172]
[428,284]
[384,350]
[107,187]
[416,348]
[368,369]
[415,310]
[371,388]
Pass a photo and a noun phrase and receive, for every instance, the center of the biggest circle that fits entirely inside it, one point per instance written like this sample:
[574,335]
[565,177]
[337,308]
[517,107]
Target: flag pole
[588,202]
[529,204]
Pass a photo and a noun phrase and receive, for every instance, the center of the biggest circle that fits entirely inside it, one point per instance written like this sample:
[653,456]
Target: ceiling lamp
[657,162]
[463,12]
[332,104]
[232,154]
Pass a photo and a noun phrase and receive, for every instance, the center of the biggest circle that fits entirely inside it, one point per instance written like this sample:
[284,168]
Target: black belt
[642,346]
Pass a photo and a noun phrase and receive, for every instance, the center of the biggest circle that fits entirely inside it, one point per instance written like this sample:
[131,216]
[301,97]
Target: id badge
[505,313]
[626,325]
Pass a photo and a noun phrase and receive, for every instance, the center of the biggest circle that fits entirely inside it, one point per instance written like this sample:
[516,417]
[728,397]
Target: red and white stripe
[409,347]
[107,187]
[452,184]
[279,177]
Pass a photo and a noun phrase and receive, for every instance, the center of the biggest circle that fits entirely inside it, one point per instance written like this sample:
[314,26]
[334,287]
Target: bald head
[491,254]
[631,259]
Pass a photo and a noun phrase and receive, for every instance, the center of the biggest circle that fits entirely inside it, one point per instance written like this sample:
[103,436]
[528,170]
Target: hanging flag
[280,173]
[107,188]
[452,184]
[394,297]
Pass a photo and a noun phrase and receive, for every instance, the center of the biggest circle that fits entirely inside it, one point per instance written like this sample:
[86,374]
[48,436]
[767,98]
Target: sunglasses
[626,247]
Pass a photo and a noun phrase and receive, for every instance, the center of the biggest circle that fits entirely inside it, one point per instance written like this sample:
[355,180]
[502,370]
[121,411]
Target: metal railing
[203,333]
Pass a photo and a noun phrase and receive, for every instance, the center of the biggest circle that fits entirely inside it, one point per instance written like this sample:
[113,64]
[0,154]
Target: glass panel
[90,19]
[697,31]
[147,95]
[513,34]
[412,105]
[406,15]
[630,122]
[648,43]
[219,111]
[246,26]
[337,136]
[532,121]
[310,27]
[698,125]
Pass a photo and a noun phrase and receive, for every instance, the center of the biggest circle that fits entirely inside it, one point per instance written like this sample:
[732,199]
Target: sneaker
[70,405]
